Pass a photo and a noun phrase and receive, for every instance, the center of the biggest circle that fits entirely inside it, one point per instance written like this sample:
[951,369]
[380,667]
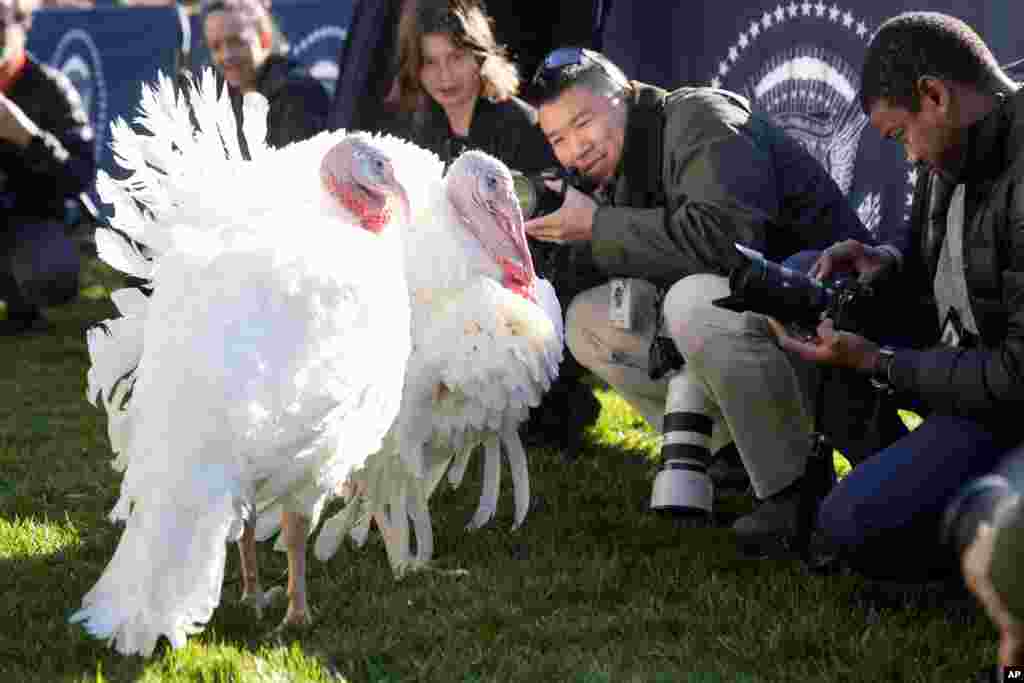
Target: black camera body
[536,198]
[765,287]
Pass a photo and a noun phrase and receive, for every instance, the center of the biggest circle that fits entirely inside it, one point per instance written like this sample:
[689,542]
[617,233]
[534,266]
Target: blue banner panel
[107,53]
[315,29]
[799,62]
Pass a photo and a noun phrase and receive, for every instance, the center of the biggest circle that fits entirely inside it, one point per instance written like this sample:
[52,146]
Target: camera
[765,287]
[536,198]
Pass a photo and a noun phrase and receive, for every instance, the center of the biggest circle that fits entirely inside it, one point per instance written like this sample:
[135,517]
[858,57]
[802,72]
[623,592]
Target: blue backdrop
[108,52]
[800,62]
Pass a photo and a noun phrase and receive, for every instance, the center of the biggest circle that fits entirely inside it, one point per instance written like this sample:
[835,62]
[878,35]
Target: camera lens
[526,193]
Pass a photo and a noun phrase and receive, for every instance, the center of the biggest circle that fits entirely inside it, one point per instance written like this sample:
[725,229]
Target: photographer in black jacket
[930,83]
[46,157]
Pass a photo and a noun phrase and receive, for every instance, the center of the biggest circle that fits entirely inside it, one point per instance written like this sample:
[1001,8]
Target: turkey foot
[253,595]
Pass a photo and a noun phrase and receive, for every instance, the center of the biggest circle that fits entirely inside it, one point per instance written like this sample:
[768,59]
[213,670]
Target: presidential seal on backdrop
[800,63]
[319,51]
[77,57]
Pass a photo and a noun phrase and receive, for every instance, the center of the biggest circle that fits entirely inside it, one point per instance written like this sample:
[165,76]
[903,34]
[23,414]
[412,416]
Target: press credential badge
[620,307]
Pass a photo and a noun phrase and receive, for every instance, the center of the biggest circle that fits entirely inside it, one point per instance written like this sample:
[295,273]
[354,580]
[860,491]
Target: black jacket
[299,105]
[60,162]
[985,383]
[507,130]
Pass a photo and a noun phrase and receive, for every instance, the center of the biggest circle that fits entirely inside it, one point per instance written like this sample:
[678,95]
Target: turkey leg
[253,595]
[295,528]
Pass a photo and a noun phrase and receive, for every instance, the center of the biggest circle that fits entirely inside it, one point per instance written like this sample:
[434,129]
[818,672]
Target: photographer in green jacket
[681,177]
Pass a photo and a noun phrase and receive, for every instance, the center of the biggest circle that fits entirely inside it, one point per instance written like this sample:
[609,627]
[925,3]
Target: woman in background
[251,55]
[456,90]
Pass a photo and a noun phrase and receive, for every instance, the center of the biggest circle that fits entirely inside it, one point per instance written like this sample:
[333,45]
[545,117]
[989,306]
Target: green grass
[592,589]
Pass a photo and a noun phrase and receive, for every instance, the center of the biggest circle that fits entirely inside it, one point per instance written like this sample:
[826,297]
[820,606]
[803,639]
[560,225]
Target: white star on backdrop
[862,29]
[806,7]
[734,54]
[793,9]
[743,40]
[755,29]
[820,8]
[833,13]
[847,19]
[780,14]
[766,20]
[723,68]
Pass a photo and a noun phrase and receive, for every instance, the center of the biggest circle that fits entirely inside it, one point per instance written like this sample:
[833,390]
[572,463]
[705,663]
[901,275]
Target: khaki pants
[740,377]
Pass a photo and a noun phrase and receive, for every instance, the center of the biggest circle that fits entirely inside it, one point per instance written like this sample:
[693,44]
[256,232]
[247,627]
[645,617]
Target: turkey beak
[511,219]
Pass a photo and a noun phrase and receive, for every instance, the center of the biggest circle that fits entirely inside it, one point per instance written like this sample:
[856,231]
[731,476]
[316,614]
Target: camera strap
[644,146]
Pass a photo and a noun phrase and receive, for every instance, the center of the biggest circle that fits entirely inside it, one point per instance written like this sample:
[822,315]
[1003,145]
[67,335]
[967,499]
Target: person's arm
[59,149]
[720,189]
[975,382]
[299,112]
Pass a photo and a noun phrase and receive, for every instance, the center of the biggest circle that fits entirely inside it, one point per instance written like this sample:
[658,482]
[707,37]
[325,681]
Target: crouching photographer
[930,83]
[680,177]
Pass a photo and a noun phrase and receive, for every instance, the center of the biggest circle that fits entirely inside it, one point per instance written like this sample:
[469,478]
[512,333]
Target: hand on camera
[830,347]
[574,222]
[15,126]
[867,261]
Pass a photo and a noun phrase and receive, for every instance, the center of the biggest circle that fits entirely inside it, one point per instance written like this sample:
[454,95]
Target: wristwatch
[881,373]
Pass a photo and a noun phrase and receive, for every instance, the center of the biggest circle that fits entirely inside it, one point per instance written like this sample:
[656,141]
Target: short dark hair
[567,67]
[910,46]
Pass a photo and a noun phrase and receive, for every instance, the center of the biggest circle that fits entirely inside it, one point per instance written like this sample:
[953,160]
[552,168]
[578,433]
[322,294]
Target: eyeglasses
[551,70]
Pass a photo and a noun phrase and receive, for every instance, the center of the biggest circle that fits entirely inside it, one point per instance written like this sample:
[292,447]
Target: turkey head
[480,189]
[360,177]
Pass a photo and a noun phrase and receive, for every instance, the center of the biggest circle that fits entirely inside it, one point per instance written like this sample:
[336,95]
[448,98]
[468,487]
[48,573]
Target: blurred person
[47,157]
[457,90]
[930,83]
[251,55]
[984,526]
[681,177]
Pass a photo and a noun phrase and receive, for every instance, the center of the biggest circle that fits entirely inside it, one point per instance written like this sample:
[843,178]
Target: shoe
[772,528]
[562,418]
[727,471]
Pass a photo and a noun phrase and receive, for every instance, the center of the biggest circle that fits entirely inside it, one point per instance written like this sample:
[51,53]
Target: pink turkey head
[480,189]
[360,177]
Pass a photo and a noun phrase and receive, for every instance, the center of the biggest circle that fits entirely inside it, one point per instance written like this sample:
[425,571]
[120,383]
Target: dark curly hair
[916,44]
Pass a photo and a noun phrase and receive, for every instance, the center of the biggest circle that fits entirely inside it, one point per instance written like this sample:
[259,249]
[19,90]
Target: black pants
[39,265]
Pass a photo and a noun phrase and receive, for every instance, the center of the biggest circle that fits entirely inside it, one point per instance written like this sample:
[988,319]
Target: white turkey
[487,343]
[242,388]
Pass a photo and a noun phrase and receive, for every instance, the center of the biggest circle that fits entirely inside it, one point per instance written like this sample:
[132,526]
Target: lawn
[592,589]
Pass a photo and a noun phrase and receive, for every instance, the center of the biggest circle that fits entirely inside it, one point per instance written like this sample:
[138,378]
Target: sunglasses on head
[563,58]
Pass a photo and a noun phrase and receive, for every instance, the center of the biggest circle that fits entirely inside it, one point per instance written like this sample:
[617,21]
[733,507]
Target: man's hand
[976,563]
[574,222]
[830,347]
[15,125]
[851,255]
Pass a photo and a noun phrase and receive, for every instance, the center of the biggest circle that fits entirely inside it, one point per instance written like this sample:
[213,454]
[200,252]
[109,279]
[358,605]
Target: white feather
[252,392]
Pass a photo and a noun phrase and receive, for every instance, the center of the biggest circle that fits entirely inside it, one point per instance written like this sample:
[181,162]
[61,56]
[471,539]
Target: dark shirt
[506,130]
[299,104]
[59,162]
